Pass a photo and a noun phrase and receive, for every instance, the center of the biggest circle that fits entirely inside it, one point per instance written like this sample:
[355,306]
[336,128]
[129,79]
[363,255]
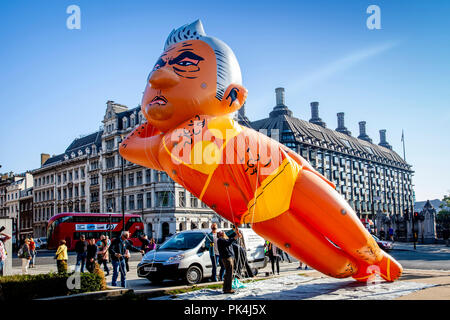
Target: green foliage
[27,287]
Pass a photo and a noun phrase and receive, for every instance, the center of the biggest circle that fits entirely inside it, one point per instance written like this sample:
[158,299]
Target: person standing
[391,234]
[32,252]
[91,255]
[81,249]
[281,254]
[25,255]
[274,257]
[117,251]
[3,238]
[144,243]
[152,244]
[211,245]
[61,257]
[103,255]
[226,254]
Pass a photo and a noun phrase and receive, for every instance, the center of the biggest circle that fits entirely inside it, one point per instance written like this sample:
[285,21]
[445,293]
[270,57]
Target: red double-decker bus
[70,226]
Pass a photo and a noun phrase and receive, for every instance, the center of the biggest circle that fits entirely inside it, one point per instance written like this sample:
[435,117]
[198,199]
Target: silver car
[184,256]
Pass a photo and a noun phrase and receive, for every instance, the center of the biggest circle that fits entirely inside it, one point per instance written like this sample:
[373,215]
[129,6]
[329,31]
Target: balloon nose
[163,78]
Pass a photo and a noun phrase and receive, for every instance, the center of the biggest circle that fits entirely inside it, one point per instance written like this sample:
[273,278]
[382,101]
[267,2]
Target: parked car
[184,256]
[385,245]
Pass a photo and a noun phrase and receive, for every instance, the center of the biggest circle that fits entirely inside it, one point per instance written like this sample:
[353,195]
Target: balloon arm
[306,166]
[141,146]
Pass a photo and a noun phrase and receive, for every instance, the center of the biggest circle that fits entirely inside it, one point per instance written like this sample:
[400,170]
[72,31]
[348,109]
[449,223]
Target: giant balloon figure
[243,175]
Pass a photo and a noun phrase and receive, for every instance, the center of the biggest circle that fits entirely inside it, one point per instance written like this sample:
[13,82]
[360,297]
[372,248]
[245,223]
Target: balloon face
[181,85]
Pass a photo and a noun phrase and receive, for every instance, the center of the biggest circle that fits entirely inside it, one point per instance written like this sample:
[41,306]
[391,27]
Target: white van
[184,256]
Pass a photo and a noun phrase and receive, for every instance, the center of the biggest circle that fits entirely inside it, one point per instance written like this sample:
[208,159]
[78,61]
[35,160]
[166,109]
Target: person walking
[225,246]
[91,255]
[61,257]
[211,245]
[281,254]
[391,234]
[103,255]
[117,251]
[81,249]
[3,255]
[32,252]
[274,257]
[25,255]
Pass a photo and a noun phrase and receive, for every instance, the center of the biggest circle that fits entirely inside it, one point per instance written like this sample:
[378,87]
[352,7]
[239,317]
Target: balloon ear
[234,98]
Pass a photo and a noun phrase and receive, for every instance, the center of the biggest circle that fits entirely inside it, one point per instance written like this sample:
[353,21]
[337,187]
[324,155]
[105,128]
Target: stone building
[363,172]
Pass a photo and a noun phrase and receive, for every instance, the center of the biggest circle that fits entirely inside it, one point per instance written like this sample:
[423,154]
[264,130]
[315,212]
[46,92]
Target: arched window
[150,230]
[125,122]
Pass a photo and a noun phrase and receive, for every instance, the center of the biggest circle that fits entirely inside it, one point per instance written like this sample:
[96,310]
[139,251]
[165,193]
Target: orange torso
[228,166]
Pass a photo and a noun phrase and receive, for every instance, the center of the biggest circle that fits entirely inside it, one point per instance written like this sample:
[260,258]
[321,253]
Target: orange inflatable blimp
[243,175]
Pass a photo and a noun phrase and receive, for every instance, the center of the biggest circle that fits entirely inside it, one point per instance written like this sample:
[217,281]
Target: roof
[310,133]
[79,144]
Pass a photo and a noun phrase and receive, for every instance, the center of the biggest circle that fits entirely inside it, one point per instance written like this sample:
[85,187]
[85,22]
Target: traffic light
[416,216]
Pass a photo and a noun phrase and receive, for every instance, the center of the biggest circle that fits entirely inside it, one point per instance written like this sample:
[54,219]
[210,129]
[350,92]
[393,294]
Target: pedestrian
[91,255]
[274,257]
[99,242]
[226,253]
[61,257]
[103,255]
[281,253]
[25,255]
[144,243]
[301,265]
[391,234]
[152,244]
[3,254]
[32,252]
[117,251]
[81,249]
[211,245]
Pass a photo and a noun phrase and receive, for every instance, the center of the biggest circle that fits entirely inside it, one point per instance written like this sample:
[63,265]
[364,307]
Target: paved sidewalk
[428,248]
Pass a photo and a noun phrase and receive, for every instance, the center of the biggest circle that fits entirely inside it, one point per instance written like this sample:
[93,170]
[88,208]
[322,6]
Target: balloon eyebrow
[185,54]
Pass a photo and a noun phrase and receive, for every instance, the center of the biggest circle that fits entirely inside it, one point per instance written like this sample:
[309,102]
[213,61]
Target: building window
[139,178]
[182,199]
[94,165]
[140,201]
[131,179]
[148,175]
[164,199]
[110,183]
[110,163]
[70,176]
[94,180]
[94,196]
[109,145]
[194,202]
[131,202]
[149,199]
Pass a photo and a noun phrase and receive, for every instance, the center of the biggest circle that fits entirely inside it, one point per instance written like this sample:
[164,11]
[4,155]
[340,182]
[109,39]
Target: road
[437,258]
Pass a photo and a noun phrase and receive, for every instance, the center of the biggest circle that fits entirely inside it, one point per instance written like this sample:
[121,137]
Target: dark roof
[76,145]
[303,131]
[126,114]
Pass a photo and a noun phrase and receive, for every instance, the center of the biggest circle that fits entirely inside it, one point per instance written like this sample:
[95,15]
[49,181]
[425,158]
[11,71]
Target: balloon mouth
[158,100]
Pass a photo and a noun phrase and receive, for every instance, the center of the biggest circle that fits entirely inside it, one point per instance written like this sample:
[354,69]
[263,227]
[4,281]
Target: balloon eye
[187,62]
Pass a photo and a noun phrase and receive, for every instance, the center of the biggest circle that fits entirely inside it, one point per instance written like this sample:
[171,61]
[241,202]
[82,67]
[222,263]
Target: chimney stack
[315,115]
[341,126]
[279,92]
[362,132]
[280,108]
[383,141]
[44,157]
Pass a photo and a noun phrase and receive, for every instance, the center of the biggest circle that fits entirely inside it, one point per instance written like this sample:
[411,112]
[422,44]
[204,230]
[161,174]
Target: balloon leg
[294,236]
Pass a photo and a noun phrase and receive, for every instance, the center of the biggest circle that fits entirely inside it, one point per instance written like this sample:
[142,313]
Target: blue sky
[55,82]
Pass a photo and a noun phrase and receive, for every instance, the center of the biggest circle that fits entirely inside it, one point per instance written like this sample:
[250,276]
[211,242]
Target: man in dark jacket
[81,249]
[91,255]
[226,253]
[117,251]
